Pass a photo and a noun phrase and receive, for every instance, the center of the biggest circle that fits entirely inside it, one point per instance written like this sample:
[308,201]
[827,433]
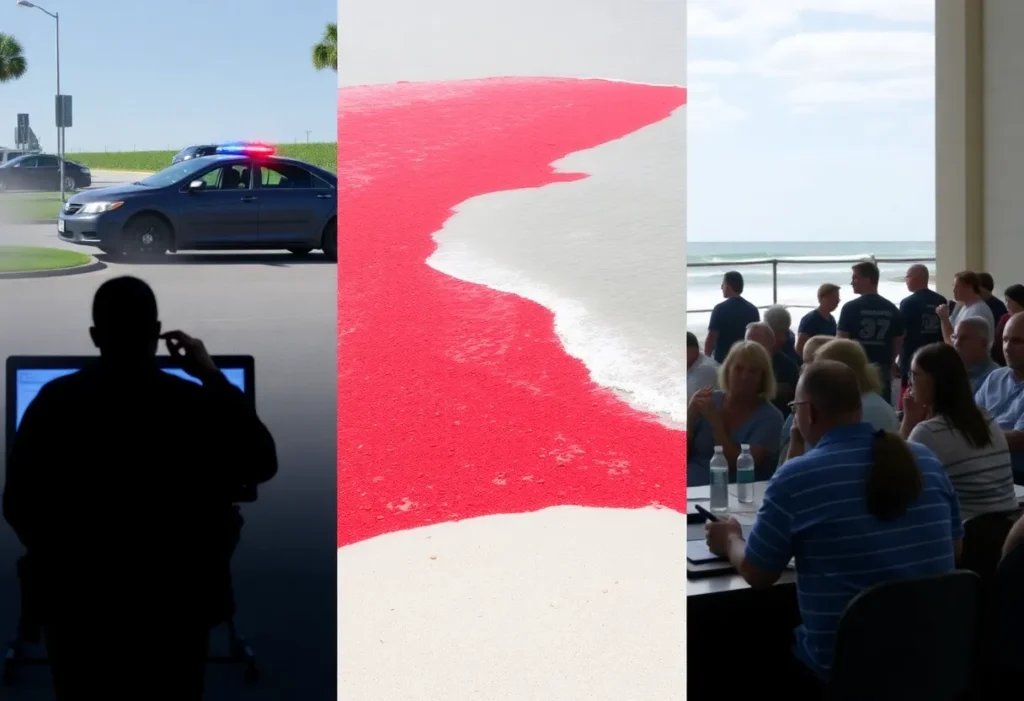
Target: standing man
[997,307]
[994,303]
[920,319]
[819,322]
[729,319]
[969,302]
[701,371]
[874,322]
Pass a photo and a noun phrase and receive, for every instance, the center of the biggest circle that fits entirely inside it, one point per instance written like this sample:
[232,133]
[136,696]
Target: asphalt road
[282,310]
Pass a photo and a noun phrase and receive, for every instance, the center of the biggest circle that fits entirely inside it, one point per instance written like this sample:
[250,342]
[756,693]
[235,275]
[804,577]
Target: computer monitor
[26,374]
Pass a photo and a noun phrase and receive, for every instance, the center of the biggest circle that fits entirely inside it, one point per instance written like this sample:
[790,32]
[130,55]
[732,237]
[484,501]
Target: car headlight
[86,171]
[99,207]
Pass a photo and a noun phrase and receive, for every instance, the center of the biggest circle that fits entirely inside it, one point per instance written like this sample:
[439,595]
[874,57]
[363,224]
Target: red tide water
[455,400]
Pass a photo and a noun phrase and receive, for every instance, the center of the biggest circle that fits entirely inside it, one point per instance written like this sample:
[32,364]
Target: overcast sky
[811,120]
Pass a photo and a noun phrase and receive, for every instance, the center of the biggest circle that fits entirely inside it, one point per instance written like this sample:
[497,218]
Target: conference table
[745,514]
[722,610]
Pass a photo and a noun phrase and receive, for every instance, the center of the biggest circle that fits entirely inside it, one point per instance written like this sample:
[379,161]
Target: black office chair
[28,634]
[984,536]
[909,639]
[1004,646]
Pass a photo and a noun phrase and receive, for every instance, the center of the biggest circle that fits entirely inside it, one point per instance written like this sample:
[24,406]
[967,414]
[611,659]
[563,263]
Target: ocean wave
[650,380]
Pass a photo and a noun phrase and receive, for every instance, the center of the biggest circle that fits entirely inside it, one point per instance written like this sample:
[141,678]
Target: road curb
[92,266]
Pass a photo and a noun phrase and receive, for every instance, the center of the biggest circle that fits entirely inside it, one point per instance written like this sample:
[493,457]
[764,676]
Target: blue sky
[160,75]
[810,120]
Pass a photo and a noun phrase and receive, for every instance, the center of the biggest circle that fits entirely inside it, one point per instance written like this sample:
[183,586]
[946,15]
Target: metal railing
[774,262]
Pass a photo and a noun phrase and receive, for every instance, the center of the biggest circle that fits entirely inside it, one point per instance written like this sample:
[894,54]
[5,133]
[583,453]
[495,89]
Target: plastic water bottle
[719,481]
[745,475]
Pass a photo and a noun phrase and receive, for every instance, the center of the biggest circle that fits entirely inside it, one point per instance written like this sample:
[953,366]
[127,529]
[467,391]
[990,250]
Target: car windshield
[175,173]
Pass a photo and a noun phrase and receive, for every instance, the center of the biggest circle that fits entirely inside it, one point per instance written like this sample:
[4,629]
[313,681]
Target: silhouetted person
[120,486]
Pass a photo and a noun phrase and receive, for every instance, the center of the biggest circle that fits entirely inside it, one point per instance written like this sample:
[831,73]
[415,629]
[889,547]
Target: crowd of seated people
[860,507]
[859,492]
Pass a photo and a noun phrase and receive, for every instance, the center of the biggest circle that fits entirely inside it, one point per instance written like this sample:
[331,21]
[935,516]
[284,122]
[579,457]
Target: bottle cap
[745,447]
[719,449]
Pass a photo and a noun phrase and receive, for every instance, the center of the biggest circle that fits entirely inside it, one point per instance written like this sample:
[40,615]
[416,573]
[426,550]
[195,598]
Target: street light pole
[60,130]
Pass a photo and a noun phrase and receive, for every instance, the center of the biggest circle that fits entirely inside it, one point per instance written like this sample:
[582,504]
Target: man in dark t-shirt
[819,322]
[994,303]
[999,309]
[729,319]
[874,322]
[920,321]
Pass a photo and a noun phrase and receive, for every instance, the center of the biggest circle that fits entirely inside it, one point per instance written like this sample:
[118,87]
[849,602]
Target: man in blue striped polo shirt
[849,524]
[1002,393]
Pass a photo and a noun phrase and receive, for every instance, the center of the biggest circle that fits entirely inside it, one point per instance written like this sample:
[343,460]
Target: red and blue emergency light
[247,149]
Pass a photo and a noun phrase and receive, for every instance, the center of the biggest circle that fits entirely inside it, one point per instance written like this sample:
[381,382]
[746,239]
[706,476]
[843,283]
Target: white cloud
[712,68]
[806,95]
[707,110]
[847,53]
[756,18]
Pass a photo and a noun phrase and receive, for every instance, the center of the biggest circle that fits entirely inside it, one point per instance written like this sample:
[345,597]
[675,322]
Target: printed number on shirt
[930,322]
[873,329]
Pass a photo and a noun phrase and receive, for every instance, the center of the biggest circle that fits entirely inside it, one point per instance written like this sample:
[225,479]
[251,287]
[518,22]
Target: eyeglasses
[794,404]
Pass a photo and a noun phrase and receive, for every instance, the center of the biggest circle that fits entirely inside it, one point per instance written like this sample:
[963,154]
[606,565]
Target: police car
[244,197]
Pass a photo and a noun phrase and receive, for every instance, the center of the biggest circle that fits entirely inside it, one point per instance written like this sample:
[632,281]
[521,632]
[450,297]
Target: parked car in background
[9,154]
[191,152]
[41,172]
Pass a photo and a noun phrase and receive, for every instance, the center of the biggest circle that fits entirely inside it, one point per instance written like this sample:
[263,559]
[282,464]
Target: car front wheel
[145,235]
[330,243]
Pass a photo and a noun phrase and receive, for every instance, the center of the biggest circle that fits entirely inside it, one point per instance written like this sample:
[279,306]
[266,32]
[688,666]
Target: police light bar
[247,149]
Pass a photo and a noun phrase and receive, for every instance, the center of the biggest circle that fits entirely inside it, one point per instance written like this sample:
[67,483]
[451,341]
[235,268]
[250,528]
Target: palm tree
[325,51]
[12,59]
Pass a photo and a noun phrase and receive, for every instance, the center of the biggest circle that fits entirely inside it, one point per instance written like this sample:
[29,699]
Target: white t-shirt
[703,373]
[979,310]
[982,477]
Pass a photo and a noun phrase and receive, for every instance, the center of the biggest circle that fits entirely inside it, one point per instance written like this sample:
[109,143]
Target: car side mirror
[196,186]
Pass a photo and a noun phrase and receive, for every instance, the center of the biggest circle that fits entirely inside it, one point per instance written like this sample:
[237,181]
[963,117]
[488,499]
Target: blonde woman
[810,347]
[740,413]
[877,412]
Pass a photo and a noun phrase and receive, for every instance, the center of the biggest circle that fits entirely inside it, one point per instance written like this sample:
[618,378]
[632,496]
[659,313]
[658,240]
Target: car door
[47,173]
[224,213]
[293,202]
[22,174]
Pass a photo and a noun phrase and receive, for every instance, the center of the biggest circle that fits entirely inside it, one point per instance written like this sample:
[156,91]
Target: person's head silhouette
[125,321]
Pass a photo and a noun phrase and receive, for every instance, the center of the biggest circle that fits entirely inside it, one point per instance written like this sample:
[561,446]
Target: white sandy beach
[564,604]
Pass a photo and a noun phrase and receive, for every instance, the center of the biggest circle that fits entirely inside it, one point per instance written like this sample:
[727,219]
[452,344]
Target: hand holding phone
[708,516]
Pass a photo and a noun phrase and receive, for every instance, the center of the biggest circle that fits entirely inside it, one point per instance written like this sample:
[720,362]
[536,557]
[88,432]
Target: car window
[25,163]
[281,176]
[179,172]
[46,162]
[230,177]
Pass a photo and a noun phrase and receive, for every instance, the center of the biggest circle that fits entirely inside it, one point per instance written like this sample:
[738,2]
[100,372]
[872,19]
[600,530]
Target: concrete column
[959,138]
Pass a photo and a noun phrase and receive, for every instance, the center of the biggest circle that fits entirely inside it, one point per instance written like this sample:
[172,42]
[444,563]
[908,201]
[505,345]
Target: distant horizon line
[858,241]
